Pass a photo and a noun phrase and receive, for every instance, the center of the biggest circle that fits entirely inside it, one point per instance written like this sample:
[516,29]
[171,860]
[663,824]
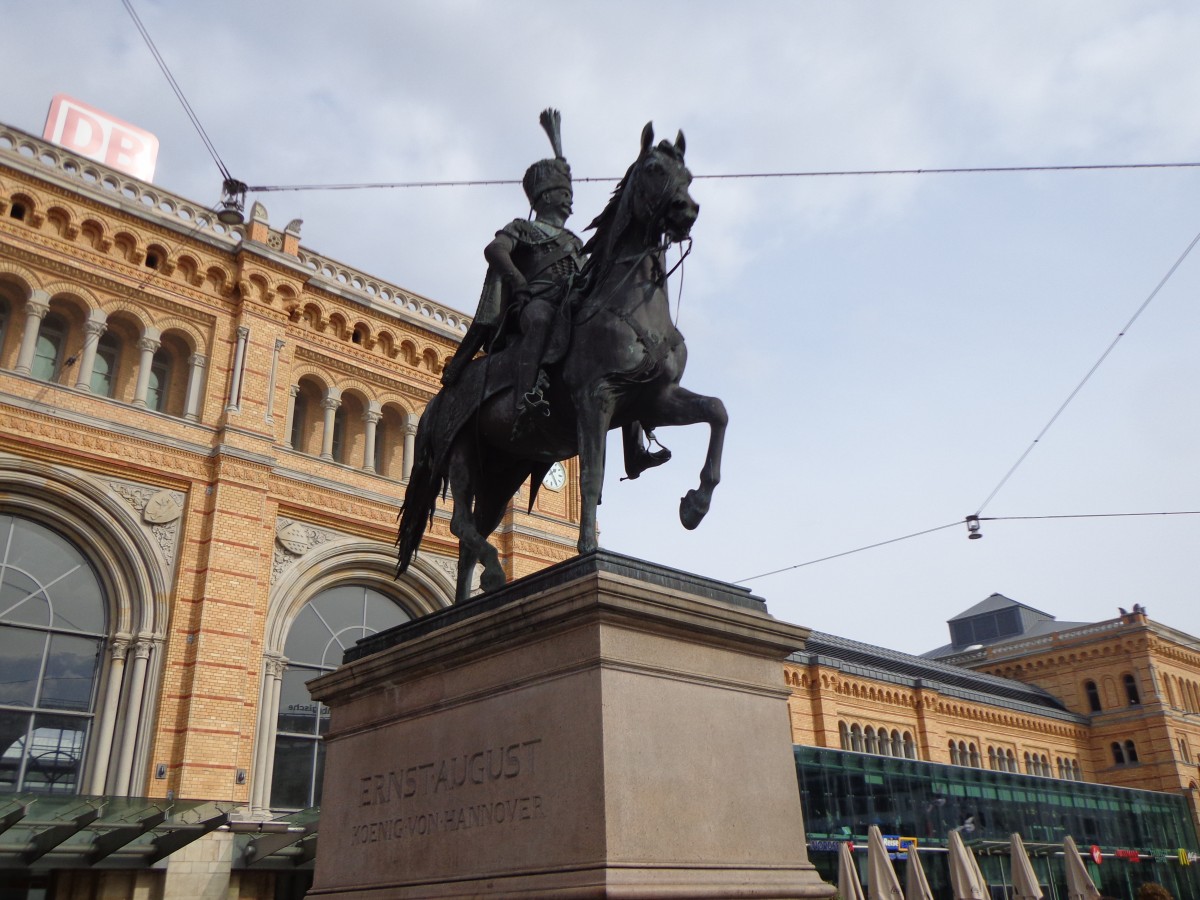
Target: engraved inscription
[411,801]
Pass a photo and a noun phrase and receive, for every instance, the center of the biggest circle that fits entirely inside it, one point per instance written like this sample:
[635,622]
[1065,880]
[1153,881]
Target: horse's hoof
[492,581]
[692,508]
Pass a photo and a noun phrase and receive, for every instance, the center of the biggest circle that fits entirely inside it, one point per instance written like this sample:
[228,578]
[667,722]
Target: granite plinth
[605,729]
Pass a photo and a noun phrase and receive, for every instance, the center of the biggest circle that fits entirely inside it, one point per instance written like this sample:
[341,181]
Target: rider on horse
[532,268]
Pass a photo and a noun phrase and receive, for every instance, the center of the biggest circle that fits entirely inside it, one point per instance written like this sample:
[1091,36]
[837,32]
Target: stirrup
[534,401]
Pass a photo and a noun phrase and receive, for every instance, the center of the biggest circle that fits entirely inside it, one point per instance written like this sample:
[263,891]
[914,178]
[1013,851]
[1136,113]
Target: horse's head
[659,184]
[651,201]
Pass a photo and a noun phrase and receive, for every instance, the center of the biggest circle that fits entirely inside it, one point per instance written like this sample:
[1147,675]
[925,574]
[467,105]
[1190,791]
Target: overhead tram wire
[187,107]
[1092,371]
[832,173]
[955,524]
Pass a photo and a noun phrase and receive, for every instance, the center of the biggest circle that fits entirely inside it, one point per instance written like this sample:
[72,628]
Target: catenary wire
[959,170]
[905,537]
[1103,356]
[187,107]
[812,562]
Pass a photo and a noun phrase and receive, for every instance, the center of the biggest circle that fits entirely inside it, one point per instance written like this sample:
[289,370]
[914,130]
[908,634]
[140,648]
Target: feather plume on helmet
[548,174]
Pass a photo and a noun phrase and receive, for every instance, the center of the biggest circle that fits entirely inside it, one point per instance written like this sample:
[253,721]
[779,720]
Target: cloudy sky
[887,346]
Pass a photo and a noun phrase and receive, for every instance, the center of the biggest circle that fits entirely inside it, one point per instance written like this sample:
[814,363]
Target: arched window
[339,434]
[1130,752]
[383,440]
[856,739]
[910,746]
[1118,754]
[897,744]
[104,369]
[844,734]
[47,353]
[953,753]
[991,757]
[1076,773]
[1028,765]
[158,388]
[1166,680]
[301,413]
[1131,690]
[53,625]
[869,735]
[976,759]
[5,314]
[1093,695]
[389,443]
[1012,760]
[327,625]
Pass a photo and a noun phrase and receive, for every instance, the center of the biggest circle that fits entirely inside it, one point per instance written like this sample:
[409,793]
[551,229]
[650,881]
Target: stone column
[196,365]
[410,443]
[133,715]
[147,345]
[239,358]
[268,718]
[270,419]
[293,393]
[92,332]
[371,417]
[108,717]
[36,309]
[329,405]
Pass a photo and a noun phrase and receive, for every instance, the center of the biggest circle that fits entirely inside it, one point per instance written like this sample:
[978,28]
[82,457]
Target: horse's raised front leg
[594,413]
[678,406]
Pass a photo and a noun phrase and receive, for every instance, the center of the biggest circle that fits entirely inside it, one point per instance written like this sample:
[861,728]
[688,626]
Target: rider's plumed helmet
[545,175]
[548,174]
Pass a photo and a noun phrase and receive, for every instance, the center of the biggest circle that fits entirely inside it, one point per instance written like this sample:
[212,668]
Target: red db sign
[1097,856]
[89,132]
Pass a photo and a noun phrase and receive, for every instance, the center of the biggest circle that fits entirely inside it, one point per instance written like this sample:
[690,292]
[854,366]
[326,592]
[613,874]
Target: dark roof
[891,666]
[1038,629]
[993,603]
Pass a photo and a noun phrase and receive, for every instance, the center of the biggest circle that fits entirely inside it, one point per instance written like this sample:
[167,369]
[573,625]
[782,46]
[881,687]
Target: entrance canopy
[40,832]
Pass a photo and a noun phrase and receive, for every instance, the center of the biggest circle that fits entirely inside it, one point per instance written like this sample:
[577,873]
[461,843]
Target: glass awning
[38,831]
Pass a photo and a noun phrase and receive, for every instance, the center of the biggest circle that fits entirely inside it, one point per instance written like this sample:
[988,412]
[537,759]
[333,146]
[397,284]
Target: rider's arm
[499,256]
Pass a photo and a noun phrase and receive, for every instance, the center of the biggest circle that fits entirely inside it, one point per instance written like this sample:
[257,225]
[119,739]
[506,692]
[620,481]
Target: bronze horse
[624,364]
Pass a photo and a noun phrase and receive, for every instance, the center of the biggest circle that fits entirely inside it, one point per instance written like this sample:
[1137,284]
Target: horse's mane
[609,226]
[614,220]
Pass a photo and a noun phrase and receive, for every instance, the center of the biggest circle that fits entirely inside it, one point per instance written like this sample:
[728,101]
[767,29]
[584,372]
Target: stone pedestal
[606,728]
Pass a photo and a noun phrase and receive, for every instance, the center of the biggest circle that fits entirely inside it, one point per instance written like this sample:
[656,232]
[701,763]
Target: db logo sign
[89,132]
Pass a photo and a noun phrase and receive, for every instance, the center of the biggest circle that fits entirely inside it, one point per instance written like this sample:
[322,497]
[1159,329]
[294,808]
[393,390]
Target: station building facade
[207,432]
[1020,723]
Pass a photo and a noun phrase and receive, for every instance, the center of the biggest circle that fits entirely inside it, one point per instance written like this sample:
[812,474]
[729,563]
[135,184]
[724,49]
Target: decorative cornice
[346,368]
[113,286]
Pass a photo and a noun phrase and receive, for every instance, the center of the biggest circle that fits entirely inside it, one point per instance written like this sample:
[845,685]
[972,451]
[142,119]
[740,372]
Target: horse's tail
[425,483]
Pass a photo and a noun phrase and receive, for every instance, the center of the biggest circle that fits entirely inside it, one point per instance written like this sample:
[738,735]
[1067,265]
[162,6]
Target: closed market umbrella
[965,877]
[1024,879]
[1079,883]
[882,883]
[849,887]
[916,885]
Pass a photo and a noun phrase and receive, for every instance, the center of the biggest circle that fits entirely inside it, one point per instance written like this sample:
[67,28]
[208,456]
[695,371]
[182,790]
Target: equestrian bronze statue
[578,340]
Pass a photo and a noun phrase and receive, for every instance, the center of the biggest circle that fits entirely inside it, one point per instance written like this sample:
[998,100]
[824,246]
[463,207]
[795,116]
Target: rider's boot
[639,457]
[531,381]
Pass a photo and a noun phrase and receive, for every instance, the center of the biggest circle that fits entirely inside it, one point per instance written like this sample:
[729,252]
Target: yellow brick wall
[232,465]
